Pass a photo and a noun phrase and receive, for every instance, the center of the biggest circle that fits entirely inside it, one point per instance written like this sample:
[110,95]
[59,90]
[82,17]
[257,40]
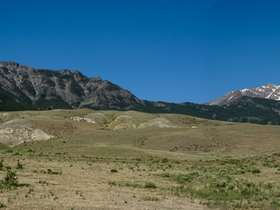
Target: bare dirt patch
[16,132]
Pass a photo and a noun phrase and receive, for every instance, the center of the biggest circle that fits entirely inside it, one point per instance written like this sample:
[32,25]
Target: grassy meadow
[86,159]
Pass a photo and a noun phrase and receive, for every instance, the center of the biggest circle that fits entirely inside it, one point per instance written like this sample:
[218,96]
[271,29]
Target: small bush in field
[10,180]
[114,170]
[19,165]
[2,205]
[150,185]
[1,164]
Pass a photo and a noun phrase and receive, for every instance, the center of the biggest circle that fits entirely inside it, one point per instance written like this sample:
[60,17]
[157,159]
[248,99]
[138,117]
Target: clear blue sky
[160,50]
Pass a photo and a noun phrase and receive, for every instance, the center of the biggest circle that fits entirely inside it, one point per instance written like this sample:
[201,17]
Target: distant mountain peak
[268,91]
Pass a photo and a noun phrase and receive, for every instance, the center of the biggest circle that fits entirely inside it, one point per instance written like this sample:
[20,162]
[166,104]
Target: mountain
[62,89]
[26,88]
[268,91]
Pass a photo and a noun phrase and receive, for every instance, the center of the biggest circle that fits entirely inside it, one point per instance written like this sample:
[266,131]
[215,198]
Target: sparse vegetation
[149,198]
[214,165]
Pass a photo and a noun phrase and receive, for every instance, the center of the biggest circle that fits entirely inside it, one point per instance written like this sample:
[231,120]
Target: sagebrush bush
[10,180]
[19,165]
[150,185]
[1,164]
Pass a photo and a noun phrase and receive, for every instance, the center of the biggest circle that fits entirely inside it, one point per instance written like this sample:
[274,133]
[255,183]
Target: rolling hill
[108,159]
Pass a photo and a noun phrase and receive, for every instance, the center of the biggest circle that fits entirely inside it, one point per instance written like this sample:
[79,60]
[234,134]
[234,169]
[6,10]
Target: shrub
[16,153]
[2,205]
[30,151]
[275,204]
[164,160]
[164,175]
[19,165]
[9,150]
[255,170]
[50,171]
[10,179]
[150,185]
[112,183]
[184,178]
[1,164]
[148,198]
[132,185]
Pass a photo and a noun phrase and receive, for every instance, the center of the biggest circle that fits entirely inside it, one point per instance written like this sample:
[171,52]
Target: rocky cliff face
[62,89]
[268,91]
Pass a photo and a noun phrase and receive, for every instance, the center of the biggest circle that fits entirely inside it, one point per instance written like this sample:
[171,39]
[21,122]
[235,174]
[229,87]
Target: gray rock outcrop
[63,89]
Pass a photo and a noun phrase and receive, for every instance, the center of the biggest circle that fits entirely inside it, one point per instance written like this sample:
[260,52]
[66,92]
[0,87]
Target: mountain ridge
[26,88]
[63,88]
[268,91]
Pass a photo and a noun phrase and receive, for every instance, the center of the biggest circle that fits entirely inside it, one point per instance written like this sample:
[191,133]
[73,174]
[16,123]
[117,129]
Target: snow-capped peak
[268,91]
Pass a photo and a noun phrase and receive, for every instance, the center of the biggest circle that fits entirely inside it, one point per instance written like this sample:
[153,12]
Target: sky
[160,50]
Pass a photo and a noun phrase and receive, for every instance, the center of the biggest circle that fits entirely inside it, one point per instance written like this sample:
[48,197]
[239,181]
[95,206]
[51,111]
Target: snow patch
[244,90]
[230,98]
[260,89]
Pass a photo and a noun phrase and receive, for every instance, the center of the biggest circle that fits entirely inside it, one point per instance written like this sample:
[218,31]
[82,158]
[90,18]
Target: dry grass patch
[86,183]
[193,164]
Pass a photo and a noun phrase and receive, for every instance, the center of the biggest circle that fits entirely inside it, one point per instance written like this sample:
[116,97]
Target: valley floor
[55,182]
[84,182]
[86,159]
